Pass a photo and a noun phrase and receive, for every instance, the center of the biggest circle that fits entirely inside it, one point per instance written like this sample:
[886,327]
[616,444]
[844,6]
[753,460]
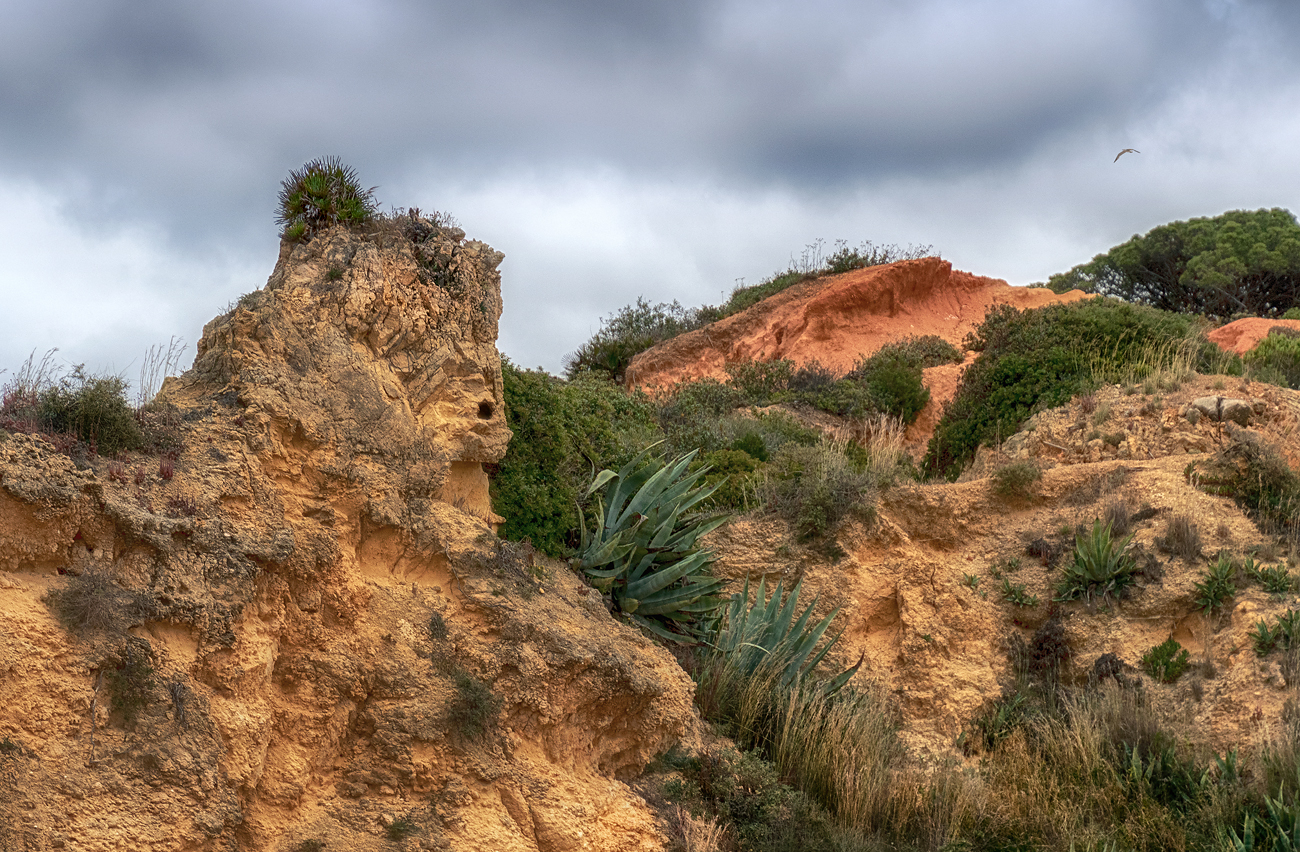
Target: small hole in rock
[485,410]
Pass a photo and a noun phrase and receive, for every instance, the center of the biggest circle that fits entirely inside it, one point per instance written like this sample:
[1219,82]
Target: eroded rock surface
[342,650]
[838,319]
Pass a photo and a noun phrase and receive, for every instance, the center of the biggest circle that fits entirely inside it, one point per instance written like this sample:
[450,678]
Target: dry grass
[696,834]
[1163,367]
[882,437]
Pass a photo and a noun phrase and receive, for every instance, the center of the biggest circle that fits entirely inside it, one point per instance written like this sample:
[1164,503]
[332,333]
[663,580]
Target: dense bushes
[1277,358]
[1036,359]
[632,329]
[563,433]
[1239,262]
[1258,478]
[79,411]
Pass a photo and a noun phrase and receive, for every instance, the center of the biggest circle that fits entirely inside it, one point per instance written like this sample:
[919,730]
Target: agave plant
[1101,565]
[323,192]
[643,551]
[766,635]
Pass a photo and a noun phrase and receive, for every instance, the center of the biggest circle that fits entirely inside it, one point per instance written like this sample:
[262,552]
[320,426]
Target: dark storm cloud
[615,149]
[194,111]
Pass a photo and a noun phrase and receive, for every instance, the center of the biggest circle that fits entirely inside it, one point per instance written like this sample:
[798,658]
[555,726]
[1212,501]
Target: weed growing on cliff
[474,708]
[323,192]
[1015,481]
[1258,479]
[1167,661]
[1276,579]
[1016,593]
[401,828]
[129,675]
[742,794]
[92,602]
[1181,537]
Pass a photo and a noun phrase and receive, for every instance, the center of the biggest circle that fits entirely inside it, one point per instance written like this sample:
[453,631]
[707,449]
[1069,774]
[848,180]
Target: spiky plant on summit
[322,193]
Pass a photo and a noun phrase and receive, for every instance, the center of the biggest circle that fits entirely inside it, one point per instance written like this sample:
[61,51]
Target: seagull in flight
[1126,151]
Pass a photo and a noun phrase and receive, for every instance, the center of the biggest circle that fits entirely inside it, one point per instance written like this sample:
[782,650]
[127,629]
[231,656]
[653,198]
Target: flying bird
[1126,151]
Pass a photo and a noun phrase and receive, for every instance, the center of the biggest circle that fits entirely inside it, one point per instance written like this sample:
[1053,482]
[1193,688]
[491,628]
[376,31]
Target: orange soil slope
[837,319]
[1245,334]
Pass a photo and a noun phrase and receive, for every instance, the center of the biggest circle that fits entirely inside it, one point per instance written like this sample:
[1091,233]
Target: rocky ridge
[338,649]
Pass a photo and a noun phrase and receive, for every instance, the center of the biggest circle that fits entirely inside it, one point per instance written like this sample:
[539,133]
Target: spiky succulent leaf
[644,546]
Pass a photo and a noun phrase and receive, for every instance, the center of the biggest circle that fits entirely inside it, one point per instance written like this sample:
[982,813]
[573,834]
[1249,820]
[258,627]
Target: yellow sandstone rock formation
[323,638]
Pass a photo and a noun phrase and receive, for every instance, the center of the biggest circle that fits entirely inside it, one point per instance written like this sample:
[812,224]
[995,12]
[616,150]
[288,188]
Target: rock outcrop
[838,319]
[1243,335]
[321,637]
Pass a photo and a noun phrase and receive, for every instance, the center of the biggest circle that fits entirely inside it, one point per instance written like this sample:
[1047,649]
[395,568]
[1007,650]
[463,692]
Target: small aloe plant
[1101,565]
[643,551]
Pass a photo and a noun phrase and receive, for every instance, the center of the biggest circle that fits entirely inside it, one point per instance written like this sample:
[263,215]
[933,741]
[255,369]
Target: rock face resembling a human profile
[321,640]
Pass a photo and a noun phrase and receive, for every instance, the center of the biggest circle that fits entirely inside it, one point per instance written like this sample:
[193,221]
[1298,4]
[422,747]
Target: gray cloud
[623,148]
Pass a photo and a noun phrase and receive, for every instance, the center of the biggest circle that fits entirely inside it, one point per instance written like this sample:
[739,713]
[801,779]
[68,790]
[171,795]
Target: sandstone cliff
[837,319]
[324,639]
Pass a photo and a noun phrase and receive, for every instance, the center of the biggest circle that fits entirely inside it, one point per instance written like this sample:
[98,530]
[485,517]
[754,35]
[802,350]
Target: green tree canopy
[1240,262]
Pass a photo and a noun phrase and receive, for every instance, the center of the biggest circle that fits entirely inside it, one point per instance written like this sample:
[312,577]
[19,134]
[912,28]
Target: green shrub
[751,444]
[758,382]
[692,415]
[744,793]
[437,627]
[561,431]
[1292,313]
[474,708]
[631,330]
[1276,359]
[1257,477]
[95,409]
[814,488]
[129,676]
[730,471]
[1041,358]
[1167,661]
[643,550]
[322,193]
[1215,586]
[929,350]
[893,378]
[1101,566]
[1015,481]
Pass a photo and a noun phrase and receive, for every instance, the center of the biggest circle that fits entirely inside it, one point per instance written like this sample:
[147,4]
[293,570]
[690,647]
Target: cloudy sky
[663,148]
